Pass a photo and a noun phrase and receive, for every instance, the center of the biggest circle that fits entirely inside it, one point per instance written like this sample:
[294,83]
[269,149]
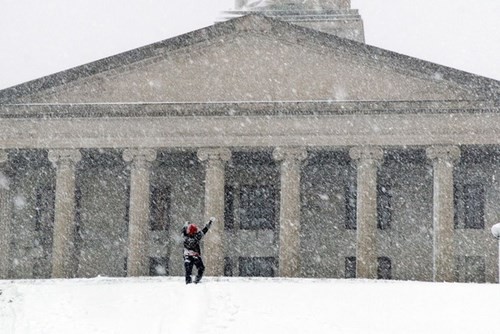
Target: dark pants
[189,261]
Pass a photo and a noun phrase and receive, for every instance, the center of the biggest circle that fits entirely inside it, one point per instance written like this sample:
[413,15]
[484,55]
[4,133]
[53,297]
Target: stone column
[443,159]
[213,249]
[289,234]
[368,159]
[4,218]
[138,226]
[64,212]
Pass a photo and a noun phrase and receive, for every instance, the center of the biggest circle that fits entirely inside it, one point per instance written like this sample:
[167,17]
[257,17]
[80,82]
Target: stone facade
[319,157]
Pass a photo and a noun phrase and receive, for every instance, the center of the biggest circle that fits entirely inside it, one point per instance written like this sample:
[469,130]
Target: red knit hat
[192,229]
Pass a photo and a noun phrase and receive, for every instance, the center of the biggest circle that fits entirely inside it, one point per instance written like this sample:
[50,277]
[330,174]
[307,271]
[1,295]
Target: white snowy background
[38,38]
[246,306]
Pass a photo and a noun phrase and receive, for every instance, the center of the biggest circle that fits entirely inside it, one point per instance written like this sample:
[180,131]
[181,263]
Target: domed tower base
[331,16]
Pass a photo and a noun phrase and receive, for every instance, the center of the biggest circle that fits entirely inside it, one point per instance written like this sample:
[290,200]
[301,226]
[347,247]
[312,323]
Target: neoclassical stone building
[320,156]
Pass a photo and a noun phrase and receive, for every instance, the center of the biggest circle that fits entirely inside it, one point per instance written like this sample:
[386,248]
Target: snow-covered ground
[238,305]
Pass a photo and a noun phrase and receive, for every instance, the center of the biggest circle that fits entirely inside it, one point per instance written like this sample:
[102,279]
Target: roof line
[481,86]
[271,108]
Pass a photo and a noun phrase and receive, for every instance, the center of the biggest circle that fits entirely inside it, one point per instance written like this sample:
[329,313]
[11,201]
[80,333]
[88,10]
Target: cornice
[290,108]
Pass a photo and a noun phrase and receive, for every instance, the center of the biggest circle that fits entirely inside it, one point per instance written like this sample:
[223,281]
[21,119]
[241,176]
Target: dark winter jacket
[192,242]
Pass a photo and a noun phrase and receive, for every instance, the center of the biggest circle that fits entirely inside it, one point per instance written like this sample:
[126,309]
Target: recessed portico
[316,160]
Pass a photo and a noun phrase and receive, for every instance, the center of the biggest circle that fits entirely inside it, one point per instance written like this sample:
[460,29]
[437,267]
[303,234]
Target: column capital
[137,154]
[449,153]
[59,156]
[222,154]
[366,153]
[290,153]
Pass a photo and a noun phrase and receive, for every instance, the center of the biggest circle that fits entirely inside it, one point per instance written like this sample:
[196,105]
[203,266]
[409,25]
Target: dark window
[127,204]
[350,267]
[257,207]
[384,270]
[78,210]
[79,225]
[457,201]
[38,210]
[44,208]
[160,208]
[228,266]
[257,266]
[44,225]
[229,208]
[469,206]
[158,266]
[384,206]
[350,207]
[474,206]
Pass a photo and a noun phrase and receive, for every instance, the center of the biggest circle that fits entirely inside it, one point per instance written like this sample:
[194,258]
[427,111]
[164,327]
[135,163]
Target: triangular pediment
[254,58]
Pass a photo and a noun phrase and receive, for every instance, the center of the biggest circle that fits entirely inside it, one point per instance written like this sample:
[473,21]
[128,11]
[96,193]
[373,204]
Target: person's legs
[188,266]
[200,267]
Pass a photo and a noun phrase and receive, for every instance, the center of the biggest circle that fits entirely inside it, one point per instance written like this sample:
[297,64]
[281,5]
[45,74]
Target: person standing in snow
[192,250]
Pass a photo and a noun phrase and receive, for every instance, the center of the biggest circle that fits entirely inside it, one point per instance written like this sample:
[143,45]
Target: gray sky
[38,38]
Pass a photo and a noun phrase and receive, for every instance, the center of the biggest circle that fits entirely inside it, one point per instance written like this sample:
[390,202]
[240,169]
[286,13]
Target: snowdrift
[239,305]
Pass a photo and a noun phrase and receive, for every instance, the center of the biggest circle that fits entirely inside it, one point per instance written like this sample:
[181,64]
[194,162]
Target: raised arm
[207,226]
